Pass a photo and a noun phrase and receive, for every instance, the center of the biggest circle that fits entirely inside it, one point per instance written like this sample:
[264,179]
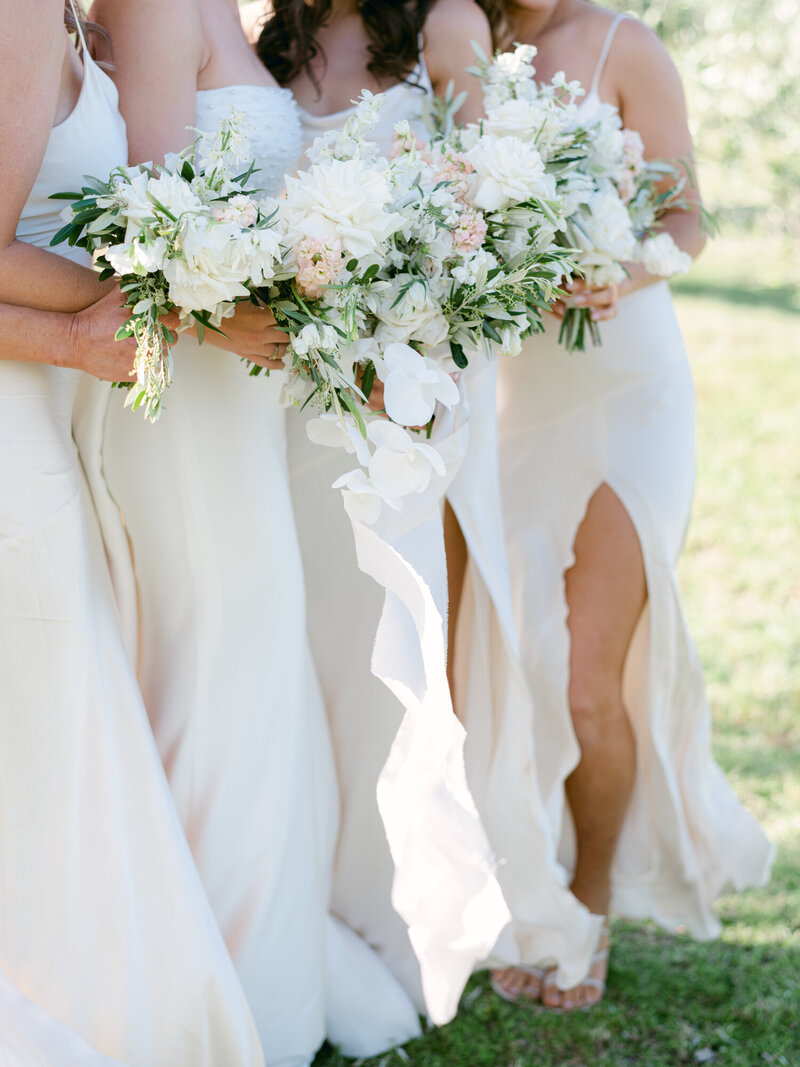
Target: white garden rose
[340,200]
[400,465]
[508,171]
[606,226]
[660,255]
[607,143]
[413,385]
[209,270]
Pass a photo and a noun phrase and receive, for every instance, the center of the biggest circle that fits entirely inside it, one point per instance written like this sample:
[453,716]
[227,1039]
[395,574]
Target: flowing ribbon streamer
[445,886]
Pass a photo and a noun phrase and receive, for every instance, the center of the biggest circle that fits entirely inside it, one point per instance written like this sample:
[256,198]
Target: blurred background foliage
[740,61]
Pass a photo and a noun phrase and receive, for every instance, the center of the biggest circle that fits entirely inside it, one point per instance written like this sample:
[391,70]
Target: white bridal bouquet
[458,253]
[611,197]
[190,236]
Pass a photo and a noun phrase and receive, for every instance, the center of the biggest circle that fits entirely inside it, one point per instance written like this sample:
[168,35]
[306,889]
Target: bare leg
[455,548]
[606,590]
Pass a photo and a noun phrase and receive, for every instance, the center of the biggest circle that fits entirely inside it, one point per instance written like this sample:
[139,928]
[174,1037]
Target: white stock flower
[342,200]
[137,257]
[661,256]
[473,270]
[508,171]
[415,317]
[338,431]
[400,465]
[413,385]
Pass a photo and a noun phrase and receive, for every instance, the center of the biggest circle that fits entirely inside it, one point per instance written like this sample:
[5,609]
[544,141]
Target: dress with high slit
[620,414]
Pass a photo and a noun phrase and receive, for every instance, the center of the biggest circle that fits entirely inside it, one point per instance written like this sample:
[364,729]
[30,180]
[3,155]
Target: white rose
[607,143]
[661,256]
[400,465]
[209,270]
[606,226]
[342,200]
[508,171]
[413,385]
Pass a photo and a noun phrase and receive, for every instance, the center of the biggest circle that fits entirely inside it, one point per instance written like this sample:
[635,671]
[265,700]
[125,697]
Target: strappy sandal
[600,956]
[525,992]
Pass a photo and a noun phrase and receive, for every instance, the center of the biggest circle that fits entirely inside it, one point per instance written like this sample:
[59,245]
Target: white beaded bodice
[275,133]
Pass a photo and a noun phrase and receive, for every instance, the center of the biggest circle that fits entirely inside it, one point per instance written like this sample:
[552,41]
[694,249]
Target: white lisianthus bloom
[209,270]
[338,431]
[400,465]
[508,171]
[660,255]
[415,317]
[362,501]
[413,385]
[341,200]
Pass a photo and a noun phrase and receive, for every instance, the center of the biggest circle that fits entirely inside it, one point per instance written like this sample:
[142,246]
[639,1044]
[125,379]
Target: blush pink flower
[454,167]
[240,210]
[469,233]
[319,263]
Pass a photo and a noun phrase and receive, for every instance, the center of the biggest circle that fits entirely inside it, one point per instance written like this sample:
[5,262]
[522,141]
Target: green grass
[734,1002]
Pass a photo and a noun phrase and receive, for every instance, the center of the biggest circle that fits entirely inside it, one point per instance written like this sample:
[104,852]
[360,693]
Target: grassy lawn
[735,1002]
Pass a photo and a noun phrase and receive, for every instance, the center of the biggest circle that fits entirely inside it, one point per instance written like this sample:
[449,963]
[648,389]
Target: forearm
[33,336]
[36,278]
[686,229]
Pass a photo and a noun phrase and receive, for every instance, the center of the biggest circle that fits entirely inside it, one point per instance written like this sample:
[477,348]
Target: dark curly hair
[288,44]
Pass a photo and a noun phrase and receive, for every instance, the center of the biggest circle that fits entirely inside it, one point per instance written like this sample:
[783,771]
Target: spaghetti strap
[79,26]
[612,29]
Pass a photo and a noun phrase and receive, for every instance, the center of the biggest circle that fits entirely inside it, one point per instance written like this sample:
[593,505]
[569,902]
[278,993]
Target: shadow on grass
[784,298]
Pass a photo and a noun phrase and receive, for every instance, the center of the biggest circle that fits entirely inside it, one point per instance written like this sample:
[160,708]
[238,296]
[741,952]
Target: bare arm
[158,52]
[32,50]
[653,103]
[450,30]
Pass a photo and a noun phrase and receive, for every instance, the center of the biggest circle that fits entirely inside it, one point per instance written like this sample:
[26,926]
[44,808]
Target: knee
[595,702]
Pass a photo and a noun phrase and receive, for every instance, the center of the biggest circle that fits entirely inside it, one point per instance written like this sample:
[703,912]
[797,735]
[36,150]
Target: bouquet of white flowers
[469,259]
[190,235]
[611,197]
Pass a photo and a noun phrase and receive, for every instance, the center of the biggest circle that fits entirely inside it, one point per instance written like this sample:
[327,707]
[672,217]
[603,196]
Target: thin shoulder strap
[601,65]
[78,23]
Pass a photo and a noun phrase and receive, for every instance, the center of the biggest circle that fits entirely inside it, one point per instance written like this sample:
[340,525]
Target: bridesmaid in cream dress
[597,463]
[224,662]
[108,948]
[345,605]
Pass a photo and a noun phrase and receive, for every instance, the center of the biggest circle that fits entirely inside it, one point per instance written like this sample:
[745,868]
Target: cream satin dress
[227,675]
[108,947]
[622,415]
[419,851]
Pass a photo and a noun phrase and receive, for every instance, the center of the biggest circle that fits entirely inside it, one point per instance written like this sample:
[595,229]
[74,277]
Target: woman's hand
[602,301]
[252,334]
[94,348]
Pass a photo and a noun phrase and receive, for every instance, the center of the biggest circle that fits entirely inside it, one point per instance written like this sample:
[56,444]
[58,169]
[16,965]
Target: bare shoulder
[450,30]
[638,60]
[161,20]
[463,19]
